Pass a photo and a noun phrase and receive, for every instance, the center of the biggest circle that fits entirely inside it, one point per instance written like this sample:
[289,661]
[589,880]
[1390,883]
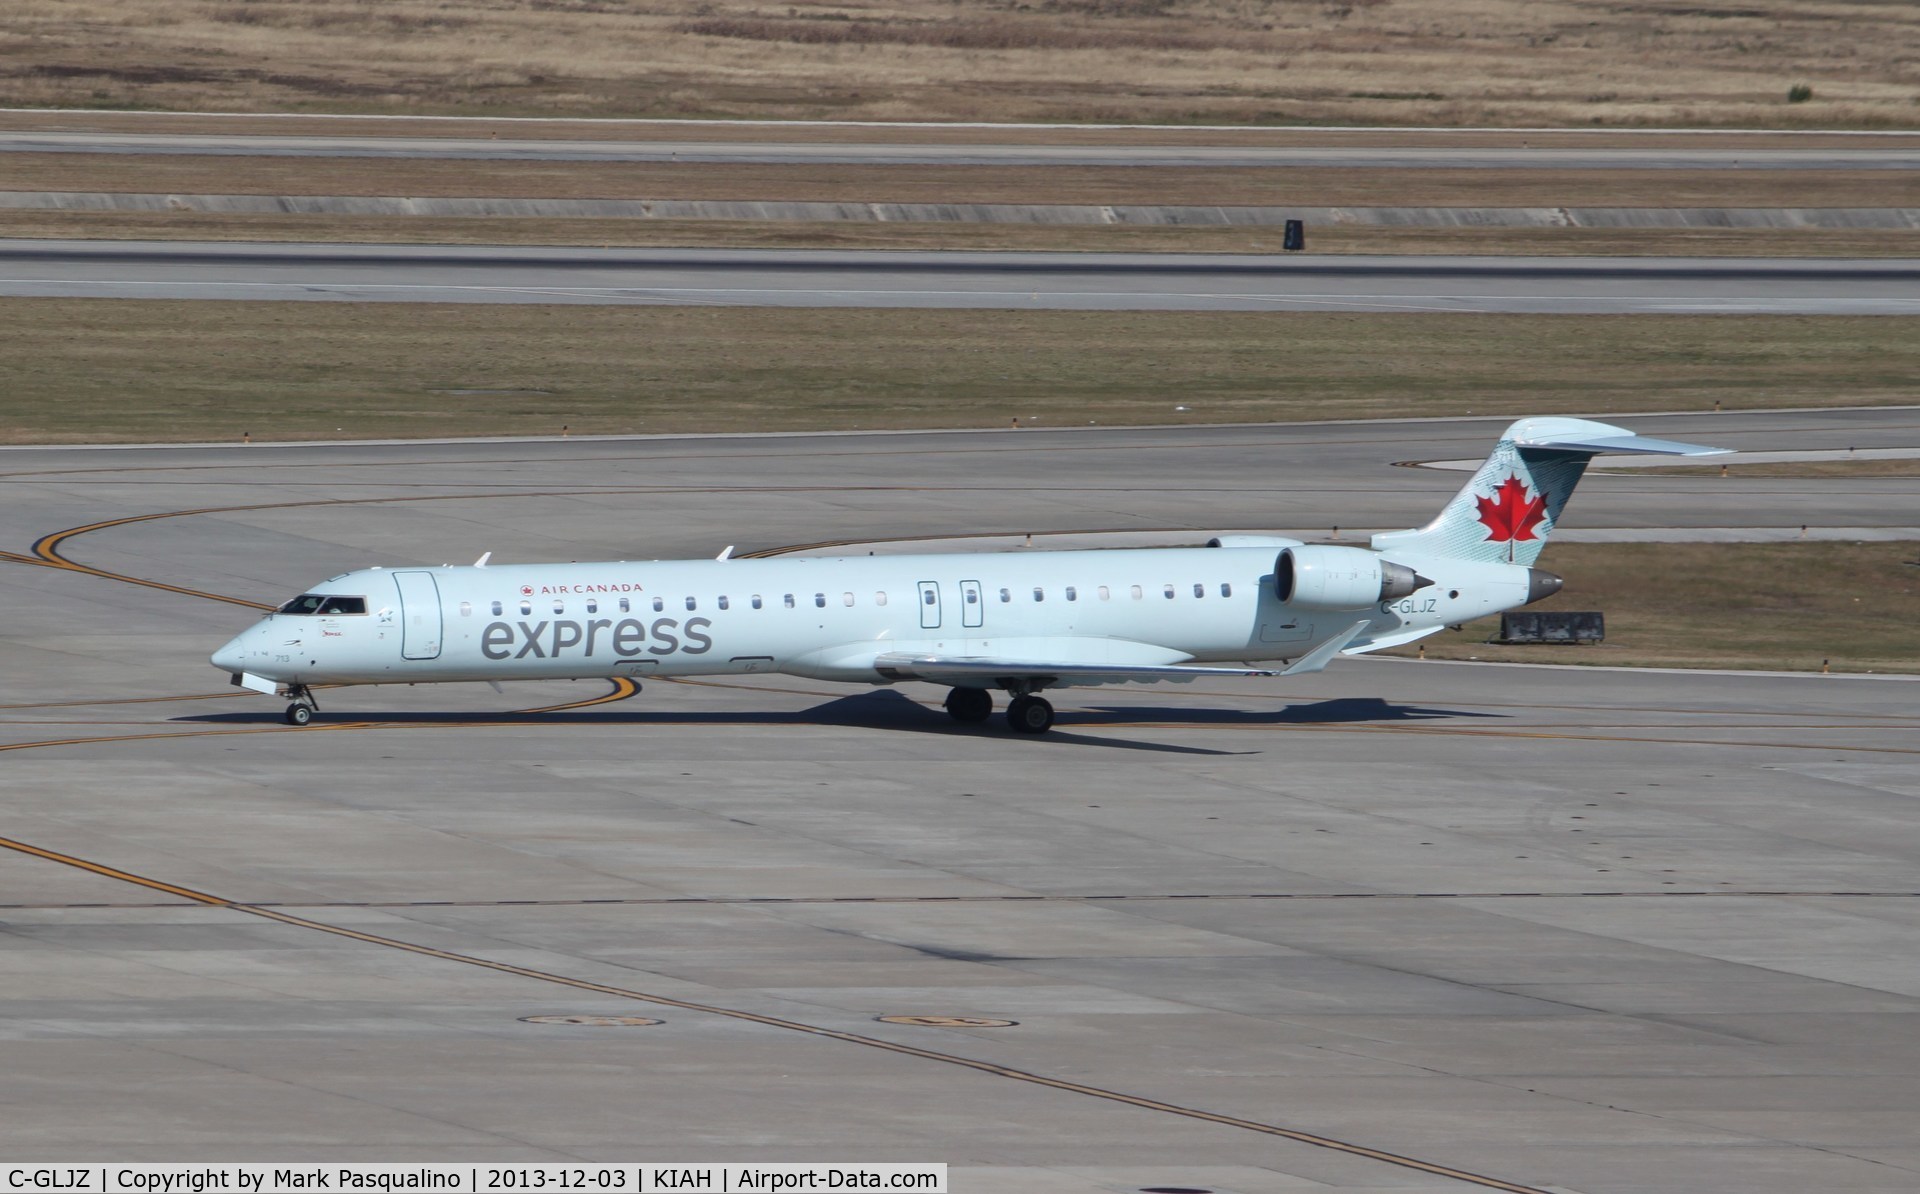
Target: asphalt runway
[1680,157]
[1038,281]
[1407,926]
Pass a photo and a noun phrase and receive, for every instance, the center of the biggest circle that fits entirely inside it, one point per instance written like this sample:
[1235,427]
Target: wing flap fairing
[978,671]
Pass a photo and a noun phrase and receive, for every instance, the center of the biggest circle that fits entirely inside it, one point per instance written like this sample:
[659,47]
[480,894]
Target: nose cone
[1541,585]
[232,657]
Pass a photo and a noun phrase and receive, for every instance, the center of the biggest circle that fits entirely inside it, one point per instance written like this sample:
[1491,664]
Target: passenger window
[929,596]
[498,609]
[1169,592]
[820,600]
[1039,594]
[1072,594]
[593,605]
[1106,594]
[973,596]
[559,606]
[1199,590]
[1136,593]
[659,605]
[1226,590]
[722,603]
[466,609]
[846,599]
[756,601]
[789,600]
[526,607]
[880,598]
[625,608]
[691,604]
[1006,595]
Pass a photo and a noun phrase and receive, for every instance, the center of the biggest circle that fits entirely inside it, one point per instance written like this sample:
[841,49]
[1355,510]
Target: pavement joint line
[1074,898]
[266,912]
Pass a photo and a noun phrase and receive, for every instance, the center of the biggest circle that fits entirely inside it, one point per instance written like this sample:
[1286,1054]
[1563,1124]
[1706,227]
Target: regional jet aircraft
[1019,622]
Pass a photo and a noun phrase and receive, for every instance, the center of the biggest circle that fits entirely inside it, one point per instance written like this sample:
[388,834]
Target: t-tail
[1505,513]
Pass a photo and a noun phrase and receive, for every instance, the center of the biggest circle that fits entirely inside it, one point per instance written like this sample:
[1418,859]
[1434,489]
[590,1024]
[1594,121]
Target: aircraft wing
[974,671]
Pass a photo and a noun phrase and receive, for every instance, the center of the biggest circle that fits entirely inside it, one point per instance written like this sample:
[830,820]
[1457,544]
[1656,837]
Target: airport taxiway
[1407,926]
[1892,155]
[1037,281]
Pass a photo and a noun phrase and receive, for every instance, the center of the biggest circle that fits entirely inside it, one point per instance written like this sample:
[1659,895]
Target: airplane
[1020,622]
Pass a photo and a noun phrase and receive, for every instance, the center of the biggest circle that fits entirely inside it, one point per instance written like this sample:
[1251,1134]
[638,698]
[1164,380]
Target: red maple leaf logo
[1510,514]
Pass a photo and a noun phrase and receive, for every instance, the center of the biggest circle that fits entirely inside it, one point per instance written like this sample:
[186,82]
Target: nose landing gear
[304,706]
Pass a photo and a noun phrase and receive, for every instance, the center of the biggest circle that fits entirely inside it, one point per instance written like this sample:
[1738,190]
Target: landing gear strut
[1030,714]
[970,705]
[301,711]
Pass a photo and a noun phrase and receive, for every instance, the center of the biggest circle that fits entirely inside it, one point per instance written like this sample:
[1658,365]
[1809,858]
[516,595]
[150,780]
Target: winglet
[726,554]
[482,561]
[1317,659]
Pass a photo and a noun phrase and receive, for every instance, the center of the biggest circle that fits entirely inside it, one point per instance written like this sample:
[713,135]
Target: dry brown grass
[1444,62]
[1614,242]
[1234,186]
[117,370]
[1741,605]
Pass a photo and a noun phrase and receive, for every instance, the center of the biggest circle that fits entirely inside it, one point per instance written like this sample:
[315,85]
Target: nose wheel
[301,711]
[1030,715]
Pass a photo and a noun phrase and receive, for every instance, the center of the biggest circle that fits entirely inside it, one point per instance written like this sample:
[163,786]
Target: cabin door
[419,615]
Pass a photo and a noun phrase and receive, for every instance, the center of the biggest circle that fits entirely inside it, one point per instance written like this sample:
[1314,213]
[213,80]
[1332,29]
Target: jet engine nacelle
[1330,578]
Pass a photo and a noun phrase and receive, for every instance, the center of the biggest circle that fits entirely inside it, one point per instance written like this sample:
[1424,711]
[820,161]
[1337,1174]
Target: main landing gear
[302,710]
[1030,714]
[970,705]
[1027,712]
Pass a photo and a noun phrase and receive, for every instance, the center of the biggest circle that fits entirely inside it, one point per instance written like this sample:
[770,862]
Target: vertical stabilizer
[1505,513]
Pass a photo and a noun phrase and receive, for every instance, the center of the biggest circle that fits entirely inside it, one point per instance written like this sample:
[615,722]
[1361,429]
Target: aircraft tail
[1505,513]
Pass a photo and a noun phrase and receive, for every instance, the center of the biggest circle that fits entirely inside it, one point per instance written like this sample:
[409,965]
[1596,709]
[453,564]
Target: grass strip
[1749,606]
[731,234]
[114,370]
[1294,186]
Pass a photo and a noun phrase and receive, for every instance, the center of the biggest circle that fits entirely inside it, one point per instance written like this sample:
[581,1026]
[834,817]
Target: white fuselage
[831,617]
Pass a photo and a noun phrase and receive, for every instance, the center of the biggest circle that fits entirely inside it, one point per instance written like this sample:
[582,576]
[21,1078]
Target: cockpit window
[321,603]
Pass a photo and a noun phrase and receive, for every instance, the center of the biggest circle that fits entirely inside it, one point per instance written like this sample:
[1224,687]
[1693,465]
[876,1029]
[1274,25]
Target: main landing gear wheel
[970,705]
[299,714]
[1030,715]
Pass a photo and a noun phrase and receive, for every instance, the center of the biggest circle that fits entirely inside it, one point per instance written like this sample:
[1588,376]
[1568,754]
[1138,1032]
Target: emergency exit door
[972,605]
[929,605]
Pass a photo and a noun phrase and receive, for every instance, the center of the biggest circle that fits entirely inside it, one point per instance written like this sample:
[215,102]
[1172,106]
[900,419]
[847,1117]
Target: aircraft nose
[231,658]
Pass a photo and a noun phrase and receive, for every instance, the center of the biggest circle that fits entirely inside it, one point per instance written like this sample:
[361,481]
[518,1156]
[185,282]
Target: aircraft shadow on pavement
[1340,711]
[894,711]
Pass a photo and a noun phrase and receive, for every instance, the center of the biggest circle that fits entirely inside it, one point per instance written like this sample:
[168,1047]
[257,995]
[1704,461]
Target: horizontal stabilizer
[975,671]
[1639,445]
